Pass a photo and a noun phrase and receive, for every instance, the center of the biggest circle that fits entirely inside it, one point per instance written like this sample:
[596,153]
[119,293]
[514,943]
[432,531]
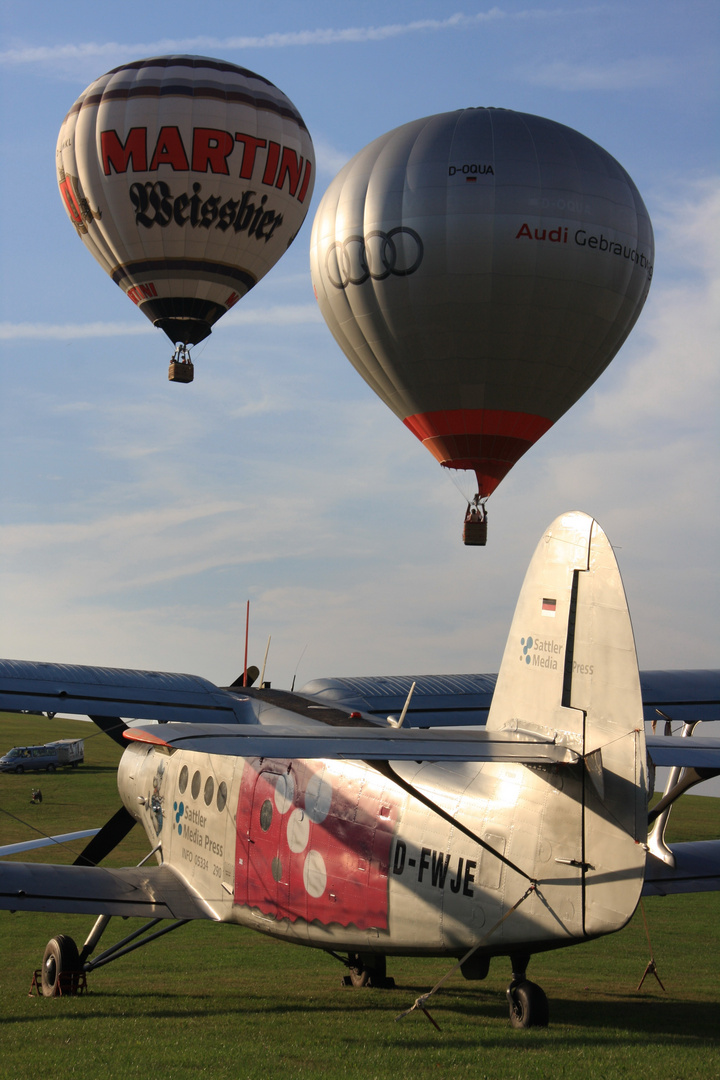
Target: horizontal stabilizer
[362,744]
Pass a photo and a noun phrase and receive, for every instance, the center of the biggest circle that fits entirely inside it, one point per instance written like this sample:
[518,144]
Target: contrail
[296,39]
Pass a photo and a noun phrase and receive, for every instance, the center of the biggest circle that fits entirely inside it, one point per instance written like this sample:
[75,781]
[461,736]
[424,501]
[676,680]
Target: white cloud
[330,160]
[674,377]
[615,75]
[70,331]
[279,315]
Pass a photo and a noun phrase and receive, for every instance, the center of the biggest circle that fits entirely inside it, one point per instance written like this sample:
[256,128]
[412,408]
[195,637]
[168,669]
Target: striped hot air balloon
[480,269]
[186,178]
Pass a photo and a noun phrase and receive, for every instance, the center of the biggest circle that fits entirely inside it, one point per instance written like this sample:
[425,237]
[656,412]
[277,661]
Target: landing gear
[367,969]
[527,1001]
[65,970]
[61,968]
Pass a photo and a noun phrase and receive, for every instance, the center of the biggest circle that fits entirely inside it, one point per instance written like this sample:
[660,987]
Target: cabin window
[182,782]
[195,786]
[209,790]
[266,813]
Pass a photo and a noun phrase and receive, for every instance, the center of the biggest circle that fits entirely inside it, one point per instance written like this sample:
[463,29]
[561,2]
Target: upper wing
[95,691]
[438,699]
[465,699]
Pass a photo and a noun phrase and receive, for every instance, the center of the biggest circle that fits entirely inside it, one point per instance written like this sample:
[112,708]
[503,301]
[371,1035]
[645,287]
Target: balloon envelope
[480,269]
[186,178]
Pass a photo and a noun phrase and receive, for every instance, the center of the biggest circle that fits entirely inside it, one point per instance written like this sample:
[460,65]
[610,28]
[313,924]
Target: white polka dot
[318,798]
[284,791]
[315,874]
[298,830]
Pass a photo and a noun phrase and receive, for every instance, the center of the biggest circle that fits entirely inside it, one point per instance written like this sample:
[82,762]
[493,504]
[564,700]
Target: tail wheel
[60,967]
[528,1005]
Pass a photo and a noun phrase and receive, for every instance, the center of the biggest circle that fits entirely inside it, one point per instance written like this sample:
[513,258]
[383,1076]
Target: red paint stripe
[516,425]
[137,735]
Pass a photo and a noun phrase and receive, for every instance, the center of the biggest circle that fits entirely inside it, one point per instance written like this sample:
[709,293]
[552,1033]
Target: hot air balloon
[186,178]
[480,269]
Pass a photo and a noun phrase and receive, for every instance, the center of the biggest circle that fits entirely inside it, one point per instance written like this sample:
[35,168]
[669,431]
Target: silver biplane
[311,818]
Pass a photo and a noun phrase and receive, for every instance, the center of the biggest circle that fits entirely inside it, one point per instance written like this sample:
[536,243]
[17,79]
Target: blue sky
[136,516]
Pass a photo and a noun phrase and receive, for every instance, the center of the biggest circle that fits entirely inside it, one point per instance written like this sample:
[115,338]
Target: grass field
[221,1002]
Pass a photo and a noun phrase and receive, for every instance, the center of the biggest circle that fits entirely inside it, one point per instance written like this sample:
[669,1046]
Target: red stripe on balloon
[518,425]
[487,442]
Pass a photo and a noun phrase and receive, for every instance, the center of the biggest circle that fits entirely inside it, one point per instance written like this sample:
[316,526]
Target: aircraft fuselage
[333,854]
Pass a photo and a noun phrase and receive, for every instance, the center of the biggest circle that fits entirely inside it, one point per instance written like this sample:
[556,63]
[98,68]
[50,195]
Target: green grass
[221,1001]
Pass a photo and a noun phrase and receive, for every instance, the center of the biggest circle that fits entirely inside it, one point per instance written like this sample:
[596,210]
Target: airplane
[328,825]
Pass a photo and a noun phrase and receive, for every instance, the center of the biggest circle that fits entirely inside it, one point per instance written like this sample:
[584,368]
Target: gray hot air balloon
[480,269]
[186,178]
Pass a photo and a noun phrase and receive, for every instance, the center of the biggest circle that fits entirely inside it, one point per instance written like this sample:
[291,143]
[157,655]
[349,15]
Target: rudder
[570,668]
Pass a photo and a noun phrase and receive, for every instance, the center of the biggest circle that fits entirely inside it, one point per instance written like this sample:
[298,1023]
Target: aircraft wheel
[528,1005]
[60,967]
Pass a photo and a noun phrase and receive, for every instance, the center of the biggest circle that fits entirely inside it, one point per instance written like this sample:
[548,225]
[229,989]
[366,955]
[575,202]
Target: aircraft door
[262,878]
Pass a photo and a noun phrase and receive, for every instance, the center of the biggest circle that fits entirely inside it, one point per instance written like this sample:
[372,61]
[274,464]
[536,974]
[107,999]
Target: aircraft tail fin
[570,670]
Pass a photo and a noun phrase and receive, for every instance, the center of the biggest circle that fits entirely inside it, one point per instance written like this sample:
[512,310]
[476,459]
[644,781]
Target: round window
[266,812]
[195,788]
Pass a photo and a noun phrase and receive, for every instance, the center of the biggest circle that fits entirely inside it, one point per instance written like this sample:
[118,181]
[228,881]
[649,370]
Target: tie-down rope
[420,1003]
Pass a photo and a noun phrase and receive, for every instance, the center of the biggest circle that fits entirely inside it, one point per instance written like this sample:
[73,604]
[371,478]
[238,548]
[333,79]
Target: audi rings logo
[378,255]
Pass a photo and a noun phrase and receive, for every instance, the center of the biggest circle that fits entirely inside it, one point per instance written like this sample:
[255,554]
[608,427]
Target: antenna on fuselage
[247,632]
[296,669]
[262,673]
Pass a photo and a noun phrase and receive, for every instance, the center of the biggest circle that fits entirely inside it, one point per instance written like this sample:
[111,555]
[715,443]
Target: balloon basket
[475,533]
[181,372]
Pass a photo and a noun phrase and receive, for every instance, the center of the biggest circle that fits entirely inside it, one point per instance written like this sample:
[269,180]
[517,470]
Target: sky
[137,517]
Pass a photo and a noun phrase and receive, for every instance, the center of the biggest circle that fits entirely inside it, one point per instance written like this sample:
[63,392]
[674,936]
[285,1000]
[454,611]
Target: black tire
[528,1006]
[50,768]
[60,967]
[19,769]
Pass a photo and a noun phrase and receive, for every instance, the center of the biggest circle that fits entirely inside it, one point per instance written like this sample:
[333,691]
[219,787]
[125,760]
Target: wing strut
[112,832]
